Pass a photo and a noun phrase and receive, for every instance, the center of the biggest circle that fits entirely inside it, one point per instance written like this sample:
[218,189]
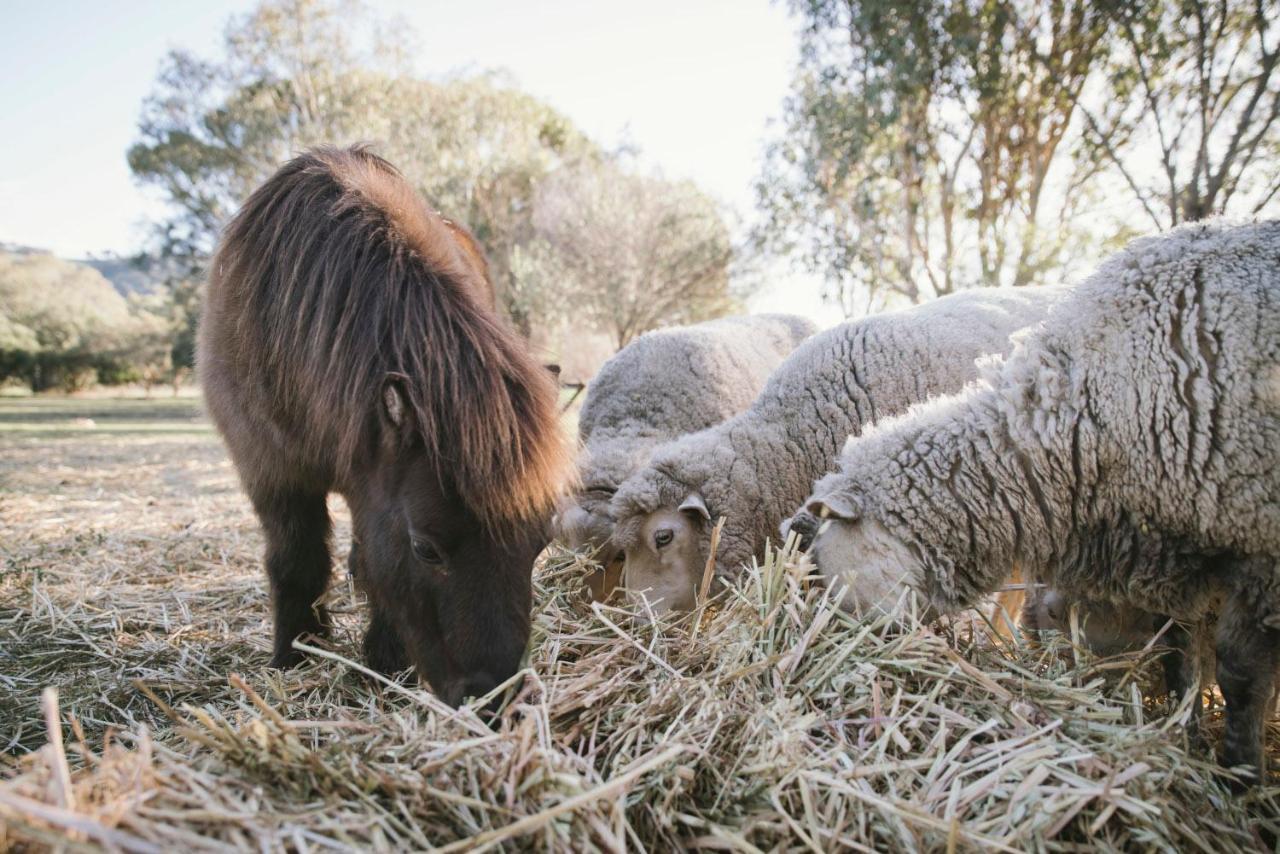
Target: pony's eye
[663,537]
[426,552]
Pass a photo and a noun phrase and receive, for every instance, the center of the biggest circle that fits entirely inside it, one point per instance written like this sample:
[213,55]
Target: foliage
[933,146]
[1190,117]
[295,73]
[63,325]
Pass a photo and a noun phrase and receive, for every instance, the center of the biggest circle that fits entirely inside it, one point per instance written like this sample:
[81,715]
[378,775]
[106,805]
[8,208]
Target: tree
[292,75]
[923,146]
[626,253]
[63,324]
[931,146]
[295,73]
[1189,109]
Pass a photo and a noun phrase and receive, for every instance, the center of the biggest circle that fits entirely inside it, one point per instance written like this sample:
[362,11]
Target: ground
[129,582]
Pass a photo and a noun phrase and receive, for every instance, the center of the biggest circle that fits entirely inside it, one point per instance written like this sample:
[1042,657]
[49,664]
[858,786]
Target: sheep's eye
[663,537]
[426,552]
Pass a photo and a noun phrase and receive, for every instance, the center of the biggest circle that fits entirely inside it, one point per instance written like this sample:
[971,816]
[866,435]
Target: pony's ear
[694,504]
[833,506]
[394,403]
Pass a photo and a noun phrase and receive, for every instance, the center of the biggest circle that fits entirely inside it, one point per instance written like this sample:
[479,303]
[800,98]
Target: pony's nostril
[469,687]
[479,685]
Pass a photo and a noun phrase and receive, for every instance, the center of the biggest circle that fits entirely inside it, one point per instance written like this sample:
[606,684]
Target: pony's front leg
[1247,652]
[297,530]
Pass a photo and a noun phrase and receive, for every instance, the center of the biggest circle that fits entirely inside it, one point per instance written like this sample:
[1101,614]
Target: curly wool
[754,468]
[672,382]
[1121,451]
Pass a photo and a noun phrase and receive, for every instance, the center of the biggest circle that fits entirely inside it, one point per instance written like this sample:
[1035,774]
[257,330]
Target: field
[130,586]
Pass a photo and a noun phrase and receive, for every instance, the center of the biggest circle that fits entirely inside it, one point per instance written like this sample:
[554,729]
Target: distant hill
[126,278]
[121,272]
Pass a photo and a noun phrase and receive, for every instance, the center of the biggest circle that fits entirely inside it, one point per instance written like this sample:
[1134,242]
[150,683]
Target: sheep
[1125,450]
[1107,628]
[753,469]
[663,385]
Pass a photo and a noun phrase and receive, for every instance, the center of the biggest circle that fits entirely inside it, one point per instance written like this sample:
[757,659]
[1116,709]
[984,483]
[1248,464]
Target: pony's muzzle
[469,687]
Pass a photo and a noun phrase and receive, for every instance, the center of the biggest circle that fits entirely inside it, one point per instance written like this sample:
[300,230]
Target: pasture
[130,584]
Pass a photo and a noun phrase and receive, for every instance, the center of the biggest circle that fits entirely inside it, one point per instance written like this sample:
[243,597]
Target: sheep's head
[665,553]
[582,523]
[1106,628]
[869,568]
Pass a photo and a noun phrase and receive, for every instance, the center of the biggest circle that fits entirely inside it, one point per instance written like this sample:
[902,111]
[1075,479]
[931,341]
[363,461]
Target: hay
[766,721]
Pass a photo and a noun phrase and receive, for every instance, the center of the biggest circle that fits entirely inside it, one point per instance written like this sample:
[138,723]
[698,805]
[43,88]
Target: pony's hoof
[286,659]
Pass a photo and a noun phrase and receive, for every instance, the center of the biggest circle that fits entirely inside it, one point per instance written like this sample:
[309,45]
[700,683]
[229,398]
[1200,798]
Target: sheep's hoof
[1243,773]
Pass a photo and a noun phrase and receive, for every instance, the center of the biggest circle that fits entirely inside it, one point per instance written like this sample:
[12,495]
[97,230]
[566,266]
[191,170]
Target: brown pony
[349,345]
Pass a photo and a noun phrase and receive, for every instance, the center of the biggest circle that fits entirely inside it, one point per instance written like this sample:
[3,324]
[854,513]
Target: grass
[136,712]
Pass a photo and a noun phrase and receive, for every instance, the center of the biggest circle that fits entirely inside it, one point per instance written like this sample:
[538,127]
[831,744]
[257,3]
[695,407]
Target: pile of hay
[766,721]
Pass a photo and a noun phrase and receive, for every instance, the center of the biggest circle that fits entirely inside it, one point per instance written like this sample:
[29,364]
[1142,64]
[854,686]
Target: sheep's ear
[693,503]
[394,403]
[833,507]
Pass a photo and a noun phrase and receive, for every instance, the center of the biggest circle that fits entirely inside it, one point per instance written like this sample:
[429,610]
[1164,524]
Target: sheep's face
[664,557]
[868,567]
[583,524]
[1105,628]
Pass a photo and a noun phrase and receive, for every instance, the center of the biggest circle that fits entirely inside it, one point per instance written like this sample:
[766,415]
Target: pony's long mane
[342,274]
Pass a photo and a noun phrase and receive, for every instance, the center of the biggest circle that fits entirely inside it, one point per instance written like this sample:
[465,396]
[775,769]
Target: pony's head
[454,585]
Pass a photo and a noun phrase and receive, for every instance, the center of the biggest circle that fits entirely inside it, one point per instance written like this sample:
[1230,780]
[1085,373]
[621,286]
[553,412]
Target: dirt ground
[126,542]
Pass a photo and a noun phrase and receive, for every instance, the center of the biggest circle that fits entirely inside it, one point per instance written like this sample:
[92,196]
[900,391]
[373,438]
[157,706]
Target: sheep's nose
[1057,607]
[805,525]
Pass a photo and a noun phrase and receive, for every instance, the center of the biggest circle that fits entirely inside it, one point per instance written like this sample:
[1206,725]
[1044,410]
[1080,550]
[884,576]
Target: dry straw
[130,582]
[772,722]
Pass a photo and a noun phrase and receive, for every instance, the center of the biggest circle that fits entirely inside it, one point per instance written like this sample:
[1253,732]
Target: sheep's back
[756,467]
[676,381]
[1171,351]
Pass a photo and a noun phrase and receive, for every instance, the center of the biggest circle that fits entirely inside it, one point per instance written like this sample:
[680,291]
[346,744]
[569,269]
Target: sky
[693,84]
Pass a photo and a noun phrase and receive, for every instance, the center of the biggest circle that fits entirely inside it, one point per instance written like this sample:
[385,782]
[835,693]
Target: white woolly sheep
[661,386]
[754,468]
[1126,450]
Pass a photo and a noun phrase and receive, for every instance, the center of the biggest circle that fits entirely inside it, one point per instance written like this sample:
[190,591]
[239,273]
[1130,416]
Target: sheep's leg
[1246,672]
[297,530]
[1181,662]
[383,649]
